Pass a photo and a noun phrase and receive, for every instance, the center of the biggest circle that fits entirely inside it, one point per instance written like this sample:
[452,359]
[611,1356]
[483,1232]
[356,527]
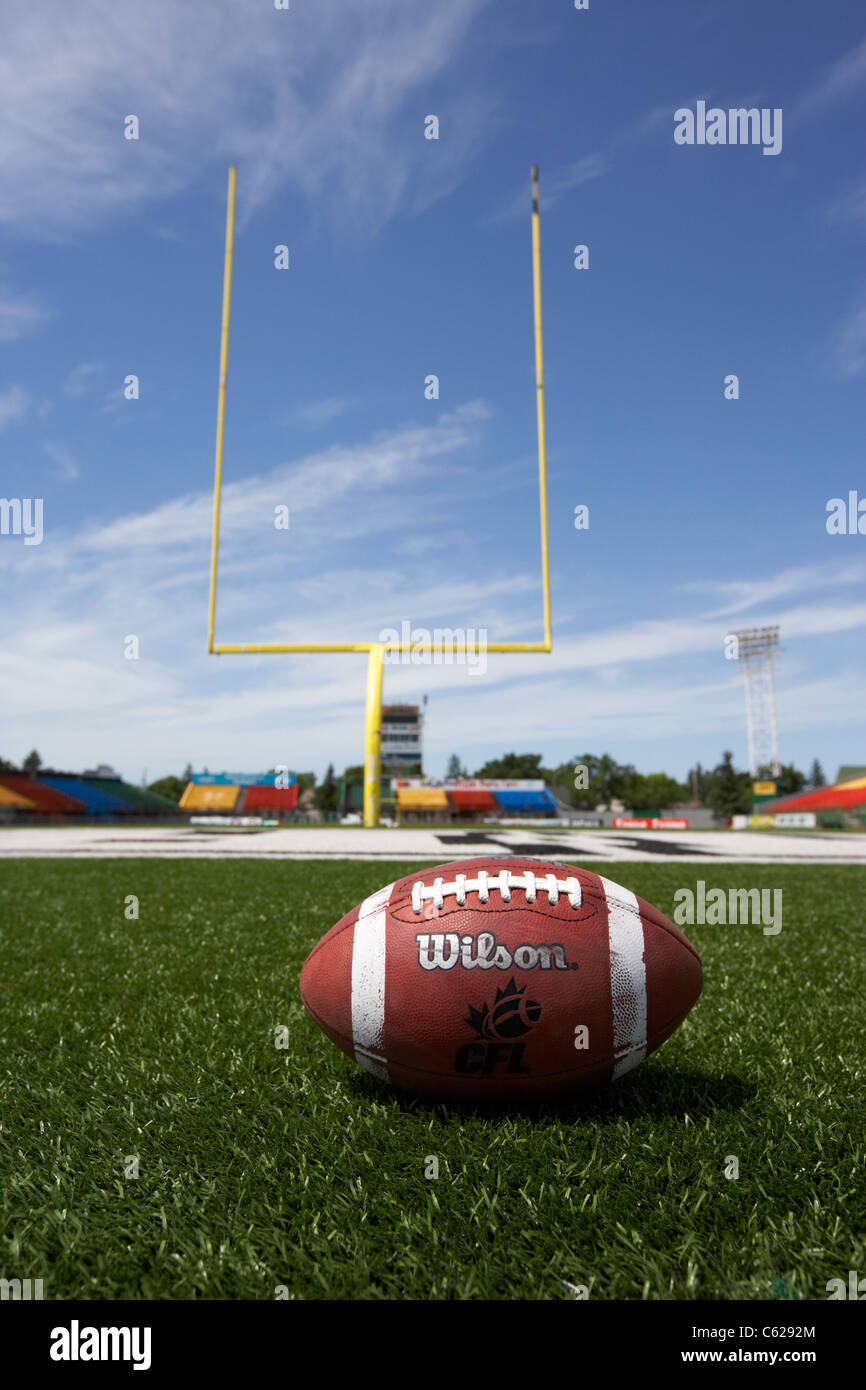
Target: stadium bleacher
[96,801]
[526,800]
[423,803]
[198,797]
[470,801]
[473,798]
[278,800]
[15,800]
[134,798]
[65,794]
[45,800]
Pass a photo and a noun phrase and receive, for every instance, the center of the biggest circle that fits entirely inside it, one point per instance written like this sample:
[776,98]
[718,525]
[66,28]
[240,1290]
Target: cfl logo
[491,1059]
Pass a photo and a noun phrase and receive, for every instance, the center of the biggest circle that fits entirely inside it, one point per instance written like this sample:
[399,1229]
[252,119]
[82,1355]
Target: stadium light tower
[756,650]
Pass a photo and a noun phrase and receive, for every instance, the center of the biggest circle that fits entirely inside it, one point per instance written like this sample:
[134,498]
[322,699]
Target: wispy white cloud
[738,595]
[584,712]
[557,183]
[65,466]
[14,405]
[19,313]
[850,207]
[314,486]
[655,120]
[841,79]
[849,348]
[581,171]
[83,378]
[313,415]
[349,142]
[73,600]
[115,403]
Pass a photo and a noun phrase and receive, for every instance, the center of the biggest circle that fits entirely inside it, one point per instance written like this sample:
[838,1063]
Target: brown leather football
[499,978]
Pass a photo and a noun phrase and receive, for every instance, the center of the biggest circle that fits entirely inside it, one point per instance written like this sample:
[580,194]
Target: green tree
[172,787]
[6,766]
[790,780]
[697,783]
[589,780]
[657,793]
[611,781]
[306,780]
[454,770]
[32,763]
[514,765]
[729,792]
[573,785]
[816,775]
[325,795]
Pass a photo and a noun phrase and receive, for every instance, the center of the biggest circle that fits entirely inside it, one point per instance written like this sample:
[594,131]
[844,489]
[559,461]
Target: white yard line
[440,845]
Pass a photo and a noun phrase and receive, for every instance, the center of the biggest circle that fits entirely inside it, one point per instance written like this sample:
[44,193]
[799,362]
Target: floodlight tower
[756,650]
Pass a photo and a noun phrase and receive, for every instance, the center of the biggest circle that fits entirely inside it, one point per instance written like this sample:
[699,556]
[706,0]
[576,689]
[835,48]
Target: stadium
[433,791]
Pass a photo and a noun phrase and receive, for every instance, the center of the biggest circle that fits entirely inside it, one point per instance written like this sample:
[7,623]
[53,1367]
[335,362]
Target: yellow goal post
[376,650]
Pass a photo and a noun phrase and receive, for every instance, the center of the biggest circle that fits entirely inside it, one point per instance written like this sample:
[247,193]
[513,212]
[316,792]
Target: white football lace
[503,882]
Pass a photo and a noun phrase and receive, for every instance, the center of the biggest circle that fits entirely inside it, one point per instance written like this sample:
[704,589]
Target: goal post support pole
[373,737]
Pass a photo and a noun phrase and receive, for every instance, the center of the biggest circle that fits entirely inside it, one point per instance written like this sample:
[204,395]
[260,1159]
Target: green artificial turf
[263,1167]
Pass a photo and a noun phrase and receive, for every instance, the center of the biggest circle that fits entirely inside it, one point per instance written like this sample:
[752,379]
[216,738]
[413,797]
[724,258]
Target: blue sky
[408,257]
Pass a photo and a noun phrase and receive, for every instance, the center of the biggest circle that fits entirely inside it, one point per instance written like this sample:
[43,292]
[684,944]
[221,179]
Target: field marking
[407,844]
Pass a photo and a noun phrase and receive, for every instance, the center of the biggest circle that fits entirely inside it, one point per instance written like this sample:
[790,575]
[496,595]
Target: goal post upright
[221,401]
[376,650]
[539,402]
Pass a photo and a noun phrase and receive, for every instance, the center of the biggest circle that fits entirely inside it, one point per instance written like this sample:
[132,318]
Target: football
[499,978]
